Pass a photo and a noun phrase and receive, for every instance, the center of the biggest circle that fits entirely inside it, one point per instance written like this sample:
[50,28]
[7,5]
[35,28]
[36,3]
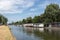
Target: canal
[28,33]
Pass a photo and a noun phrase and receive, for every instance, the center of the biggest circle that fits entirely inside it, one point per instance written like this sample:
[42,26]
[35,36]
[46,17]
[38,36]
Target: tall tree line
[51,14]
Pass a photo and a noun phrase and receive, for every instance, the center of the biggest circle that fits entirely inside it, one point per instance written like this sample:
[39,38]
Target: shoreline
[53,28]
[11,33]
[5,33]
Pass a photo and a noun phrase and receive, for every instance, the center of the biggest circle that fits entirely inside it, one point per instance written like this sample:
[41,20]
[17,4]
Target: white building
[39,25]
[28,25]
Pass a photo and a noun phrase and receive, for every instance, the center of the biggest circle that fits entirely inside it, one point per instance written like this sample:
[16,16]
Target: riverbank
[5,33]
[53,28]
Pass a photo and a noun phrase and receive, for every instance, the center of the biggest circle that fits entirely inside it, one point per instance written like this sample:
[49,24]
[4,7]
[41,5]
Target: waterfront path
[5,33]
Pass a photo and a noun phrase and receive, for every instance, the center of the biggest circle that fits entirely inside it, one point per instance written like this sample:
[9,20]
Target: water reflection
[52,34]
[41,33]
[29,33]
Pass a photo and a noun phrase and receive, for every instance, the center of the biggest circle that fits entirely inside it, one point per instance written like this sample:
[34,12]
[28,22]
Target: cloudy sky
[16,10]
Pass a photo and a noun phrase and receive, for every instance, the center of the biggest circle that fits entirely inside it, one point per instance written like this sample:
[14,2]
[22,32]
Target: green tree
[3,19]
[29,20]
[37,19]
[24,21]
[51,12]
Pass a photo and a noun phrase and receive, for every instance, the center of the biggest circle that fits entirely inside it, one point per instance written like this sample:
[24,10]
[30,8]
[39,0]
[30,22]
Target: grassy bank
[5,33]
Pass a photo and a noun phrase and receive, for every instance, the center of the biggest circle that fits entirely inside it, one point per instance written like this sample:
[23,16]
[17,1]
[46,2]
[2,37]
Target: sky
[16,10]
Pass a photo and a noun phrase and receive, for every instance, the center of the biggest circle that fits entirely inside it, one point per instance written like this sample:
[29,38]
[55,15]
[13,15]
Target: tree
[51,12]
[24,21]
[50,15]
[3,20]
[37,19]
[29,20]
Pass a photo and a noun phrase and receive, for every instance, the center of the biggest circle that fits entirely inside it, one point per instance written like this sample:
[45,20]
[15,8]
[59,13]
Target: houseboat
[55,24]
[28,25]
[38,25]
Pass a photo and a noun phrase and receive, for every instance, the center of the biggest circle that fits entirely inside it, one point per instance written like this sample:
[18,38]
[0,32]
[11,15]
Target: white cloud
[15,6]
[5,5]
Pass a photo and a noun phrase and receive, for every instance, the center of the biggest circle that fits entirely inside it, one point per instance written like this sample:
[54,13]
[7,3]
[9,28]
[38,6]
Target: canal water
[28,33]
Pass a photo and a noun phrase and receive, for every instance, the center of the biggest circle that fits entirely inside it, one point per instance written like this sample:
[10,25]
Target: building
[34,25]
[54,24]
[40,25]
[28,25]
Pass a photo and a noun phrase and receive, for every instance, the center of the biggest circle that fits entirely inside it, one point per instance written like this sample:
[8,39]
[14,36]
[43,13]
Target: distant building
[54,24]
[28,25]
[41,25]
[34,25]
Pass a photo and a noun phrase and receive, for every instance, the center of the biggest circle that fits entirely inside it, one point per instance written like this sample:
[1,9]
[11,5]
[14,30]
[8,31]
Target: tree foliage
[51,14]
[3,20]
